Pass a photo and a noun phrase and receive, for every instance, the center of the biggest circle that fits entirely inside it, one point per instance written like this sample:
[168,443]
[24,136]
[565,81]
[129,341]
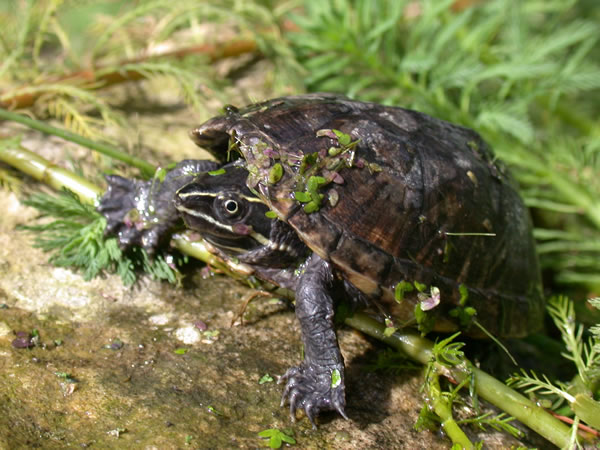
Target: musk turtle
[336,198]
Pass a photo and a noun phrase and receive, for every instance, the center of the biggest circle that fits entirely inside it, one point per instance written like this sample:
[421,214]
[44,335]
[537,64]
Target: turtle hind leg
[317,384]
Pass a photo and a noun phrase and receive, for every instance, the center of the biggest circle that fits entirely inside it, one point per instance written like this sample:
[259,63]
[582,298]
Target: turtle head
[224,211]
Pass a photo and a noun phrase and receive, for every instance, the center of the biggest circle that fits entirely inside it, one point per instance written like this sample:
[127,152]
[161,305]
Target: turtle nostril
[177,200]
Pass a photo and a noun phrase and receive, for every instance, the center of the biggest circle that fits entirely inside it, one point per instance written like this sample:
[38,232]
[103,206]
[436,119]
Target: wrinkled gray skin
[155,205]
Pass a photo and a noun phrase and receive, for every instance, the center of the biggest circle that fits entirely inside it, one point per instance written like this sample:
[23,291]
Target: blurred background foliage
[525,74]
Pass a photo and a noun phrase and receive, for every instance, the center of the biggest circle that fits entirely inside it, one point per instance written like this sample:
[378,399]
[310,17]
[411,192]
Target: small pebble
[201,325]
[23,340]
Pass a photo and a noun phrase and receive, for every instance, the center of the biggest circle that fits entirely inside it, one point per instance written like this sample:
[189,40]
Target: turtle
[333,198]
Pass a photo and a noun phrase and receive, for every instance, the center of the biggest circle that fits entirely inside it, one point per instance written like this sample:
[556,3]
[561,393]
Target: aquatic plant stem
[442,406]
[486,386]
[145,167]
[46,172]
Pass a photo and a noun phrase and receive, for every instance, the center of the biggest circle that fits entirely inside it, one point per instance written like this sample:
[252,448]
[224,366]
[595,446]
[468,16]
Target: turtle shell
[402,196]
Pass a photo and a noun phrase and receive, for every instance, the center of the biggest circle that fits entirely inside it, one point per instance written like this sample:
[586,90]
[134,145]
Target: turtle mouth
[230,247]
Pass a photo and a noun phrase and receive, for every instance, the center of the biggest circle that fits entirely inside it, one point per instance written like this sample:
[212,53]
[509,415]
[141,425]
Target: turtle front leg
[142,212]
[318,383]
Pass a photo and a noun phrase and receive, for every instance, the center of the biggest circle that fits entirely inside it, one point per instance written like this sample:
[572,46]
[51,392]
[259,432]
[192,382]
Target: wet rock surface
[135,369]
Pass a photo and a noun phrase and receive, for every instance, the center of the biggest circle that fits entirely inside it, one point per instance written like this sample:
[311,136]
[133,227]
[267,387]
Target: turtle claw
[308,387]
[340,409]
[311,415]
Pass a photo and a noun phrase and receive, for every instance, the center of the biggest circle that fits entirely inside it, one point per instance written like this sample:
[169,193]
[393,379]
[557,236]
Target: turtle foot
[313,389]
[143,212]
[120,205]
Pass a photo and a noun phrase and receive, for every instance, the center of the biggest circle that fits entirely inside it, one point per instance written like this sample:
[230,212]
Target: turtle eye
[231,206]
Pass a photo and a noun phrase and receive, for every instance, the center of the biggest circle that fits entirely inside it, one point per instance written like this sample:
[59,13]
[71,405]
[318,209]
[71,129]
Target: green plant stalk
[46,172]
[407,341]
[145,167]
[521,408]
[442,406]
[587,409]
[486,386]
